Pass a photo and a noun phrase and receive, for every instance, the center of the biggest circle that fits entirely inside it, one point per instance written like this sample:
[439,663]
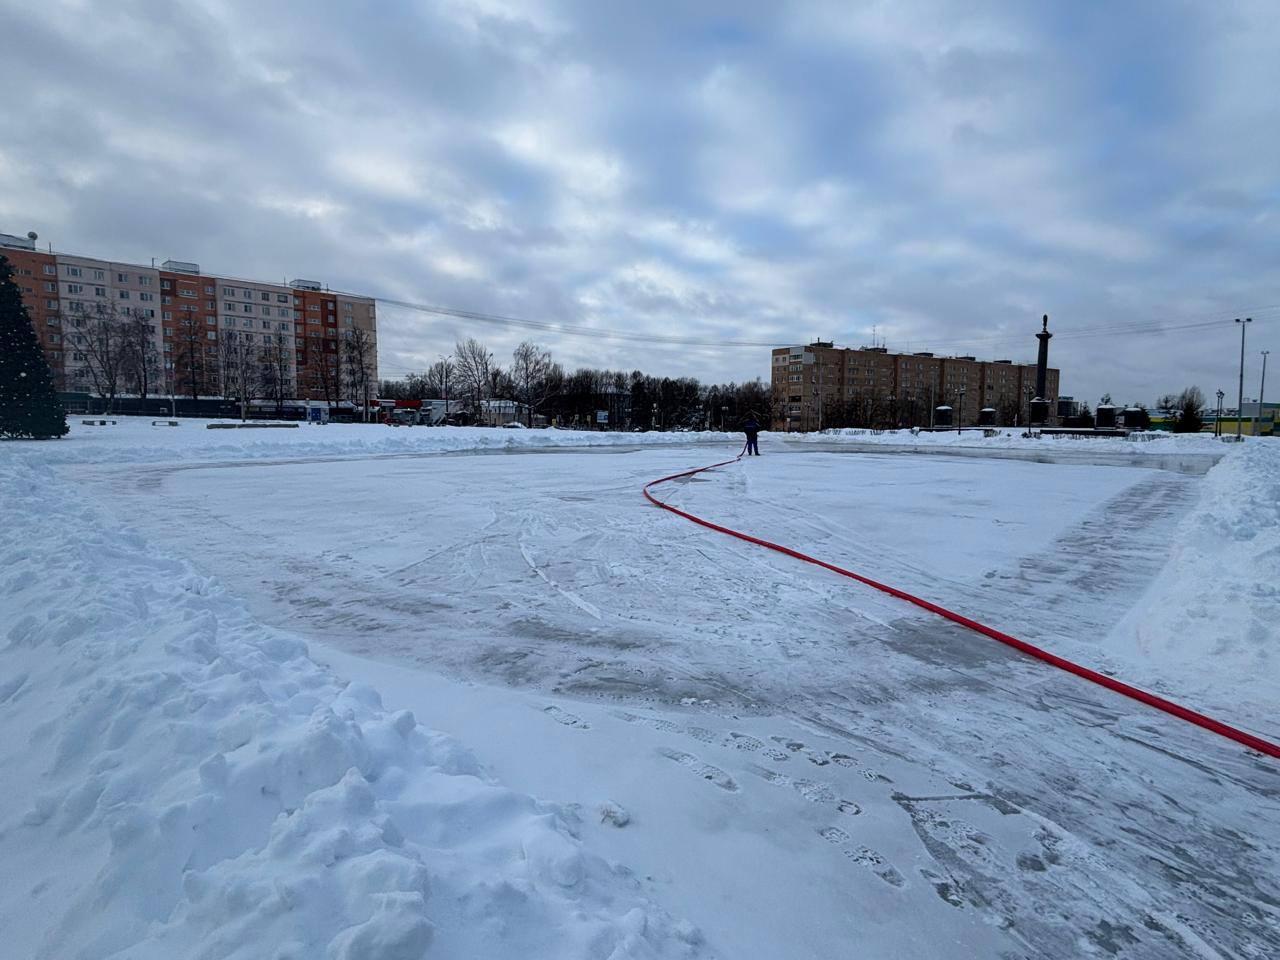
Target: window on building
[248,294]
[145,281]
[124,294]
[247,307]
[99,291]
[248,323]
[167,315]
[74,288]
[211,334]
[55,338]
[146,296]
[264,295]
[228,291]
[50,287]
[282,298]
[50,270]
[73,271]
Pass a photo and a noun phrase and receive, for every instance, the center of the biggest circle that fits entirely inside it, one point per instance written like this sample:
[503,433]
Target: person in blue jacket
[752,429]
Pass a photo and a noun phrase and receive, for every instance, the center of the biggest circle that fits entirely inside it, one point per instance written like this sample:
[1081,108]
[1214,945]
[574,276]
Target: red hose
[1142,696]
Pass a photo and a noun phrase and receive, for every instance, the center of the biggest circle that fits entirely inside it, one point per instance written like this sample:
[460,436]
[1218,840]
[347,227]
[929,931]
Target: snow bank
[1154,442]
[180,781]
[1213,615]
[135,440]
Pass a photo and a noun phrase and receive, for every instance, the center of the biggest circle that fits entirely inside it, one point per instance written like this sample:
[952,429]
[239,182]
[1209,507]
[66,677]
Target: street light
[1261,391]
[960,412]
[1244,325]
[1217,424]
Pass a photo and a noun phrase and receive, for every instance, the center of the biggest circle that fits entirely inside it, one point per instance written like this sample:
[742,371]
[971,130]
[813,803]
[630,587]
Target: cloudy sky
[933,175]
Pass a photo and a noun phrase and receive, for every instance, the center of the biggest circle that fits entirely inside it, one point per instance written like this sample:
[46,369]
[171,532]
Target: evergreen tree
[29,405]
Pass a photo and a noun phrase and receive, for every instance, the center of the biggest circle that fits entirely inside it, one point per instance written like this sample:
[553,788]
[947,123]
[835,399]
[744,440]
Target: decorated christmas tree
[29,405]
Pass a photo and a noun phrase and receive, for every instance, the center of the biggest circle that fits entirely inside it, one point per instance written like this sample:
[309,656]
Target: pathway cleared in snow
[802,757]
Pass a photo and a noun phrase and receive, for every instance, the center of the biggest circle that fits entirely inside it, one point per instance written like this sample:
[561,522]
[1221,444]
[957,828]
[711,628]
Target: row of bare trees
[535,380]
[114,352]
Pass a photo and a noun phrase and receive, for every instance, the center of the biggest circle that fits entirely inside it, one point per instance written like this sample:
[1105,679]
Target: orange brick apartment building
[821,385]
[191,315]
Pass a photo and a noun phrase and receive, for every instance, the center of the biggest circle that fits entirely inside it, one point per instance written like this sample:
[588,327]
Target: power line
[1136,328]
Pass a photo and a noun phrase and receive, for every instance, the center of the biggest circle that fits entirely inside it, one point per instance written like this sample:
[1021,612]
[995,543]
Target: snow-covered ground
[793,765]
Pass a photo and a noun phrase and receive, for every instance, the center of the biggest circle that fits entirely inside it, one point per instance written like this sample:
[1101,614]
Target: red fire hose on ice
[1249,740]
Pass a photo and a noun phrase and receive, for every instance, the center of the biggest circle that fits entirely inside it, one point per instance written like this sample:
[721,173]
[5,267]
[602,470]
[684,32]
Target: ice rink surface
[810,768]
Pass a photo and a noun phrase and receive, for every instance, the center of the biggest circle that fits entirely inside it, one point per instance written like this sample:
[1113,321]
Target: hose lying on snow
[1142,696]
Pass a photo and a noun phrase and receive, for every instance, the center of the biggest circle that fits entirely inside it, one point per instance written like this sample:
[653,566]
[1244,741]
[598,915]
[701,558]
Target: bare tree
[276,370]
[534,374]
[102,340]
[441,374]
[240,370]
[140,361]
[472,366]
[195,372]
[357,366]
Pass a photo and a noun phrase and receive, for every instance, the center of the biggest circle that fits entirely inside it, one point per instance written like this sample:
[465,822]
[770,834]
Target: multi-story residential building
[304,342]
[36,274]
[821,385]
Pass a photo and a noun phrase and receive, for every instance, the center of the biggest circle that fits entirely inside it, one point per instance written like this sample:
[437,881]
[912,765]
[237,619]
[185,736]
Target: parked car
[514,425]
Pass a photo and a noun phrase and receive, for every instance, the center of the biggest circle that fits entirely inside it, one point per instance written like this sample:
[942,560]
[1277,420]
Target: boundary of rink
[1252,741]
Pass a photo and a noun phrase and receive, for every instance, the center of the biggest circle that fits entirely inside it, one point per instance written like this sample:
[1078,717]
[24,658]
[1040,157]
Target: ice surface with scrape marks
[182,781]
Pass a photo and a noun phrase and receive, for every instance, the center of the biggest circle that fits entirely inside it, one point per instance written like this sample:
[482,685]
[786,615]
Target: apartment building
[301,337]
[36,274]
[821,385]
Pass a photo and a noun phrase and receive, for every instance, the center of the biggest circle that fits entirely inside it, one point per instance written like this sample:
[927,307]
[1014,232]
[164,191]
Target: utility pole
[1217,423]
[1261,392]
[960,412]
[1244,325]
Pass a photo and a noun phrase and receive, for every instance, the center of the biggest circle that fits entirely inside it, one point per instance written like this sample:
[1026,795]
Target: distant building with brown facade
[300,337]
[820,385]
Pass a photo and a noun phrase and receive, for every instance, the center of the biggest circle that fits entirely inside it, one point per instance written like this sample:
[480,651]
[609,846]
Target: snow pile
[1212,617]
[135,440]
[1154,442]
[180,781]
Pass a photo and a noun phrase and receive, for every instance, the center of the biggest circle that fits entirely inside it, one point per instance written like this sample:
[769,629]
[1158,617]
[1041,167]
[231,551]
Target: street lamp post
[1217,423]
[1244,325]
[960,412]
[1261,393]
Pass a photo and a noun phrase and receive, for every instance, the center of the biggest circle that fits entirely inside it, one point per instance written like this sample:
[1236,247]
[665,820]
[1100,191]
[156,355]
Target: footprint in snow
[812,790]
[863,856]
[705,770]
[568,719]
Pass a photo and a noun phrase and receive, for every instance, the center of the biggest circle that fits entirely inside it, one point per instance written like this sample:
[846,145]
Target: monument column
[1039,405]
